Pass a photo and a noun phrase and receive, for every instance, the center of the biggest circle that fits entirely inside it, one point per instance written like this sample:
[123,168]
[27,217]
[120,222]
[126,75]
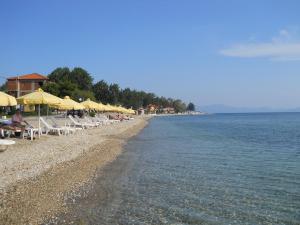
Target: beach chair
[53,121]
[9,130]
[49,128]
[31,132]
[77,124]
[67,126]
[93,120]
[85,122]
[103,119]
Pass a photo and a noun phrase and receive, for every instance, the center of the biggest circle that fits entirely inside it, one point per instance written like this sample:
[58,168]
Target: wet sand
[37,177]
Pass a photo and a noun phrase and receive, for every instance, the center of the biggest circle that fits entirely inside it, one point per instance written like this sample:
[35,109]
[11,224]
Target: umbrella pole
[39,121]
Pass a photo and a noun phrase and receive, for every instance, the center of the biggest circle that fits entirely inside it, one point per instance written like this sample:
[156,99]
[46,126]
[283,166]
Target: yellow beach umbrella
[132,111]
[127,111]
[7,100]
[122,109]
[88,104]
[109,108]
[115,108]
[68,104]
[102,107]
[118,109]
[39,97]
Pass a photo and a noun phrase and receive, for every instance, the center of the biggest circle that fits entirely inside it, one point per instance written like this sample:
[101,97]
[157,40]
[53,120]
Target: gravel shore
[36,177]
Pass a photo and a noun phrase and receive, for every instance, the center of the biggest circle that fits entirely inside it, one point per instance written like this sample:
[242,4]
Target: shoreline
[37,197]
[180,114]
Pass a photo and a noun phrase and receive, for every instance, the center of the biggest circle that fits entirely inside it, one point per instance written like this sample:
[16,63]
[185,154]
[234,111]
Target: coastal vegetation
[191,107]
[78,84]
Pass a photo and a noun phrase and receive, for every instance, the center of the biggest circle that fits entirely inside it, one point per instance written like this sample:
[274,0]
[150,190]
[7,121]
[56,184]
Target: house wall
[25,86]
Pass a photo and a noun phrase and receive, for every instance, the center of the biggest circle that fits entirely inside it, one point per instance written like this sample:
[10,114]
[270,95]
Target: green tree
[82,95]
[114,92]
[163,102]
[125,96]
[66,88]
[131,98]
[179,106]
[148,98]
[101,91]
[59,74]
[52,88]
[3,87]
[191,107]
[81,78]
[78,84]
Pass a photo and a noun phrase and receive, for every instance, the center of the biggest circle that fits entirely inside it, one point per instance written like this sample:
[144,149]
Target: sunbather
[17,120]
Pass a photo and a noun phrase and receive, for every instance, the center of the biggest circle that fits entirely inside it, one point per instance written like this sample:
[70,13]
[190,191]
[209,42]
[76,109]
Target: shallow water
[216,169]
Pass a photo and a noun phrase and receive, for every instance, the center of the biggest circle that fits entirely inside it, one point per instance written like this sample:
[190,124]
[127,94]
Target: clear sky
[240,53]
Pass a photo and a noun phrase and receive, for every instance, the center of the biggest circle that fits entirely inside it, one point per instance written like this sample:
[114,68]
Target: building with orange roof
[24,84]
[168,110]
[151,108]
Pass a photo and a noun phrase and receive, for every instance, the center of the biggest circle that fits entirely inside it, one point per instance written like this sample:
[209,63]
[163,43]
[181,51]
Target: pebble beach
[38,176]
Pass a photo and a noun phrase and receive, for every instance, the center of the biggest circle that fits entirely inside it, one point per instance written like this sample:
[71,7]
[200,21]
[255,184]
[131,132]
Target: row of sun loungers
[50,125]
[74,124]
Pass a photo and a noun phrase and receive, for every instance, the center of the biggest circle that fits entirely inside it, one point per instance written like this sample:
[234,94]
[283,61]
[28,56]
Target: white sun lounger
[50,128]
[107,120]
[30,132]
[78,124]
[89,124]
[67,127]
[102,120]
[93,120]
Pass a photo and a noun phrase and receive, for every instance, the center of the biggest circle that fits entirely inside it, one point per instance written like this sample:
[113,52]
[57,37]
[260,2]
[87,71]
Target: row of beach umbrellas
[39,97]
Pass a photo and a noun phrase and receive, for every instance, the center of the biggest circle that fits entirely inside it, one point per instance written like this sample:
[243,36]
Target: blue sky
[240,53]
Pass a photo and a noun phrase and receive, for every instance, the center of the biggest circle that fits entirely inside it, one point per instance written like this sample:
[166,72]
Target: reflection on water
[218,169]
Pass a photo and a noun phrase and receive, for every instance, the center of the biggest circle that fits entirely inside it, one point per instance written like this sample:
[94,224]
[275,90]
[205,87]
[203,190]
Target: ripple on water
[220,169]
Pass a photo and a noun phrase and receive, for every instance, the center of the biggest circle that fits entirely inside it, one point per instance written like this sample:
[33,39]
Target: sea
[211,169]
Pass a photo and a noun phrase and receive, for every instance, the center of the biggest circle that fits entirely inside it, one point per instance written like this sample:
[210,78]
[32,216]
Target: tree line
[78,84]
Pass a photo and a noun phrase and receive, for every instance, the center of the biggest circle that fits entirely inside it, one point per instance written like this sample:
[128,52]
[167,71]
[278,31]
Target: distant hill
[219,108]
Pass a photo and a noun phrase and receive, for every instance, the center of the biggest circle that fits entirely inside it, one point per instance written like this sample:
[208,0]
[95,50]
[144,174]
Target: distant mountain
[219,108]
[293,110]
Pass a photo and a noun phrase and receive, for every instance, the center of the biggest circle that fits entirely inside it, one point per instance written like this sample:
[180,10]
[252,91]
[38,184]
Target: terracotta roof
[33,76]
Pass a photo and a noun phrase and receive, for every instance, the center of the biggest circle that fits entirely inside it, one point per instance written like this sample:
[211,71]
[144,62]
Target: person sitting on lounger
[17,120]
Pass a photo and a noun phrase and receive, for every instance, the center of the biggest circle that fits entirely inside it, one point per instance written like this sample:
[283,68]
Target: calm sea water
[216,169]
